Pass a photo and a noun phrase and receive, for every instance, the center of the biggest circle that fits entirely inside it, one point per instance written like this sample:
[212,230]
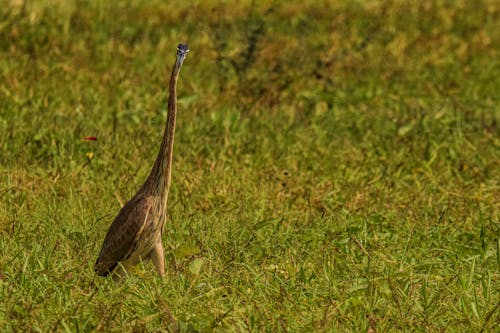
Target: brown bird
[136,231]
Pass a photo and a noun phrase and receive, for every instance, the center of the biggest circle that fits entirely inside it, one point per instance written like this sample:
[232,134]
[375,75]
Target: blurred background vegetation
[336,163]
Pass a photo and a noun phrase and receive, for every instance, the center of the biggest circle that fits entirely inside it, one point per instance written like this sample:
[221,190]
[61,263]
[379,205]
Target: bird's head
[182,51]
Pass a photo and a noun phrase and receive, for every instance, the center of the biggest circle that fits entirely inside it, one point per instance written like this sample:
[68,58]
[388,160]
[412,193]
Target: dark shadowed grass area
[336,164]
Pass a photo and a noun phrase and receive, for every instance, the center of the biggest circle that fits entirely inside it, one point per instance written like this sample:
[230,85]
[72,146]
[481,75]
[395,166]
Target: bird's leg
[158,258]
[119,273]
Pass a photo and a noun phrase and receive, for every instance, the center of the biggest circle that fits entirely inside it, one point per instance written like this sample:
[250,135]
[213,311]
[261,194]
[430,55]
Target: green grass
[336,164]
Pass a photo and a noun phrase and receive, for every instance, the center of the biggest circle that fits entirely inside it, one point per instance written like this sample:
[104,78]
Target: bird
[135,234]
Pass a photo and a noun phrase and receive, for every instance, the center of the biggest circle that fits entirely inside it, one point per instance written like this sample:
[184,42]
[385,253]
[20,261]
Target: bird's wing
[123,233]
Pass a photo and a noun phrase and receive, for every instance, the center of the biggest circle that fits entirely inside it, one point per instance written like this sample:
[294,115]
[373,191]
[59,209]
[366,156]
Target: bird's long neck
[159,179]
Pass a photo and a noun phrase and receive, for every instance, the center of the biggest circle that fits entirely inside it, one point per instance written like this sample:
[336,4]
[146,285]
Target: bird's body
[136,231]
[132,234]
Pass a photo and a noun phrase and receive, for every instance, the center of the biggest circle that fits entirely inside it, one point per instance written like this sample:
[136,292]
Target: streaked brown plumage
[135,233]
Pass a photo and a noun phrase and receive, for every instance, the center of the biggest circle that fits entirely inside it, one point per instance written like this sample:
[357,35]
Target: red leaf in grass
[90,138]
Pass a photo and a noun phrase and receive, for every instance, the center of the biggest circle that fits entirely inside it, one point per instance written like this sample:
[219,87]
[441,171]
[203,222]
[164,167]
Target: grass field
[336,164]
